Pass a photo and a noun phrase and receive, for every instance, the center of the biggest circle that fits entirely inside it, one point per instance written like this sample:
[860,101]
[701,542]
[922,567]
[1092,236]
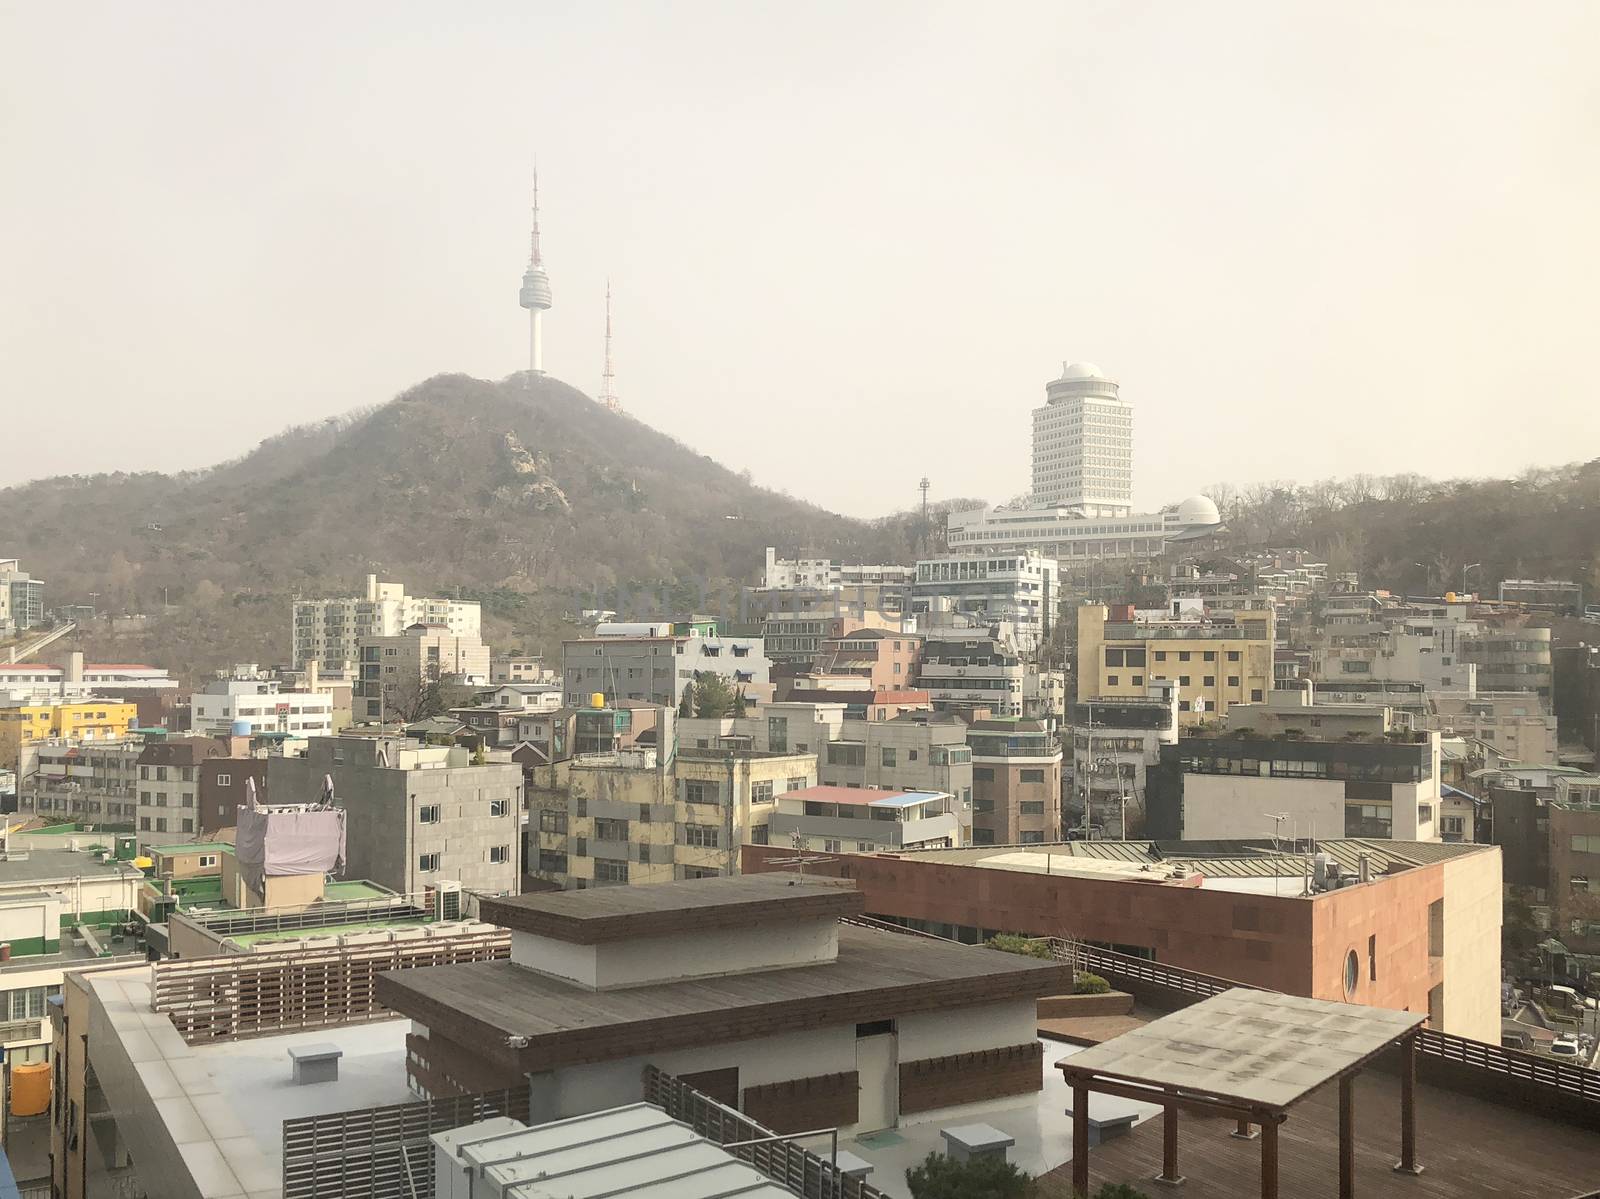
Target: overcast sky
[849,241]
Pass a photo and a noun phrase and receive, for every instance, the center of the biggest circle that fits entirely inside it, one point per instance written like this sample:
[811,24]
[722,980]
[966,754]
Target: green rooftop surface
[195,847]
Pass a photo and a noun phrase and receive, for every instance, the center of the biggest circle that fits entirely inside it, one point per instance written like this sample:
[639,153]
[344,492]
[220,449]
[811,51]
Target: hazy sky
[849,241]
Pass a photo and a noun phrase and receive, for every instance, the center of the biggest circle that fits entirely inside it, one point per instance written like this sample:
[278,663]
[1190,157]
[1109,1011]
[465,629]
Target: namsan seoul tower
[608,376]
[535,294]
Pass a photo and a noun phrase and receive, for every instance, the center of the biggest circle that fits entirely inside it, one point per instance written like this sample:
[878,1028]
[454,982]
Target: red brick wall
[1286,943]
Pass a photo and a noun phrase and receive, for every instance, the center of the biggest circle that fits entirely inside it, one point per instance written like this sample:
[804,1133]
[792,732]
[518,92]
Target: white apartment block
[1019,589]
[1083,444]
[330,631]
[829,574]
[261,705]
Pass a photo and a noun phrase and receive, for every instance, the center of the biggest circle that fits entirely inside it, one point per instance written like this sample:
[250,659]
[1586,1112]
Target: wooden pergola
[1248,1055]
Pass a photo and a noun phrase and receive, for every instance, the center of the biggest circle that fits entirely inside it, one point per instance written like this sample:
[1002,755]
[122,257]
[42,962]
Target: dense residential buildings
[1511,659]
[881,658]
[828,574]
[97,783]
[42,682]
[255,704]
[396,670]
[1115,743]
[914,751]
[831,819]
[655,664]
[62,907]
[21,599]
[169,783]
[330,631]
[1516,723]
[419,815]
[1021,590]
[1083,444]
[646,814]
[1236,786]
[26,724]
[1215,664]
[972,669]
[1016,781]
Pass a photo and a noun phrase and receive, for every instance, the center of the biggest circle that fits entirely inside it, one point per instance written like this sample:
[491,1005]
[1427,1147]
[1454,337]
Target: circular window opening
[1352,972]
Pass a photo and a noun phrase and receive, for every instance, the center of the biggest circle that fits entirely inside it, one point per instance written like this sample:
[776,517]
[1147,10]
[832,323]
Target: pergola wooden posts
[1263,1102]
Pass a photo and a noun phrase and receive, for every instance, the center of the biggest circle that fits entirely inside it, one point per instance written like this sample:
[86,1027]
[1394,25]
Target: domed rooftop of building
[1199,510]
[1082,370]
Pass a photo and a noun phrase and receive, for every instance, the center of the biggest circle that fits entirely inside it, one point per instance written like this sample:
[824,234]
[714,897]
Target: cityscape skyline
[1271,238]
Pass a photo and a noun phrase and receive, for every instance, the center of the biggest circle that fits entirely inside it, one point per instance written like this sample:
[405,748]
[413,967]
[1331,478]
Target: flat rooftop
[624,913]
[876,975]
[1215,860]
[862,797]
[47,865]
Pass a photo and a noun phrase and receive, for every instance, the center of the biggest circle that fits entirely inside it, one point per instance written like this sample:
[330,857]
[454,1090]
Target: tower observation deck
[535,293]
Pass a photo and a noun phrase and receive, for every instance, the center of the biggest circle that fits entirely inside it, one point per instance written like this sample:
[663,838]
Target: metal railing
[807,1174]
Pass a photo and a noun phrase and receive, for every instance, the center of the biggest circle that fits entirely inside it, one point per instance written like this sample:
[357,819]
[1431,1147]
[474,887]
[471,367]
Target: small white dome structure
[1081,370]
[1198,510]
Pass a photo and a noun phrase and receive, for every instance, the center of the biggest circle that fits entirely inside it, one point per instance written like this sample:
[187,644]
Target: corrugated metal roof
[636,1151]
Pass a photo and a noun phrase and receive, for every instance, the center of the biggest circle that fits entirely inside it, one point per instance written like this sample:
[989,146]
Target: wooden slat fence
[805,1173]
[381,1152]
[249,995]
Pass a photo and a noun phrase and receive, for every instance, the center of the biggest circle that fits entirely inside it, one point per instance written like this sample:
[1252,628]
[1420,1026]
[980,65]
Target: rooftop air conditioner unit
[445,901]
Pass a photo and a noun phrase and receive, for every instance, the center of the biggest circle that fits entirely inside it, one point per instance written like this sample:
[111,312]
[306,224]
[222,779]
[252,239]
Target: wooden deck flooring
[1468,1148]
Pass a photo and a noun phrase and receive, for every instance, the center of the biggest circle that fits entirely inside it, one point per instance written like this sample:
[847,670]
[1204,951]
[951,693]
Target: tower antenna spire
[535,293]
[608,376]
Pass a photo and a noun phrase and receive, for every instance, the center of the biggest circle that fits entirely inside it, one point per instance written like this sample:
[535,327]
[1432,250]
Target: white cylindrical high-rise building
[535,293]
[1083,444]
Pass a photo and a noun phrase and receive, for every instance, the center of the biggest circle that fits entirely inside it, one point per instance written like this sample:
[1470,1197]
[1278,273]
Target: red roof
[855,796]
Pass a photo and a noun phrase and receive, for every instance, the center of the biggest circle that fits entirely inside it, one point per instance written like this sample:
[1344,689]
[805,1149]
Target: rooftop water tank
[241,728]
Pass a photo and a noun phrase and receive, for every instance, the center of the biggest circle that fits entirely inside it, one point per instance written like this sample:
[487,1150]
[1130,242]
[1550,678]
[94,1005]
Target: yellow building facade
[1215,666]
[96,720]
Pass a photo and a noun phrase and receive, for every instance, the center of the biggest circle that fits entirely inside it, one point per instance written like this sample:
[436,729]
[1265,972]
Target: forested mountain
[524,494]
[1411,534]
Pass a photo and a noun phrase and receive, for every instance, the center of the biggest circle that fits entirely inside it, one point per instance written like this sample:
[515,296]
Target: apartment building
[393,669]
[1016,781]
[1574,855]
[21,598]
[169,783]
[969,669]
[822,574]
[1021,589]
[881,658]
[656,667]
[1215,665]
[1115,743]
[1242,785]
[1517,723]
[1511,659]
[330,631]
[914,751]
[91,720]
[95,782]
[830,819]
[725,799]
[258,705]
[418,815]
